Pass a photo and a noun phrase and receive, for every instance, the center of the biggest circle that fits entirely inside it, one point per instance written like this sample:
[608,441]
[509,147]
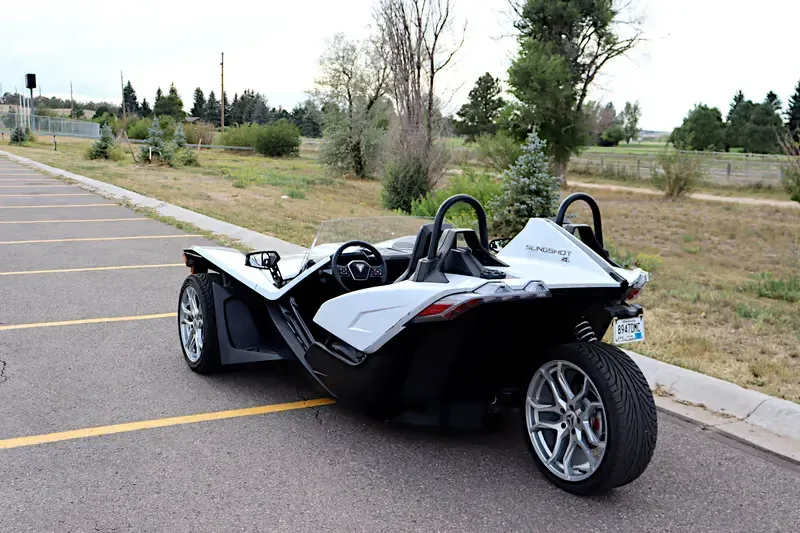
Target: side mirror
[263,260]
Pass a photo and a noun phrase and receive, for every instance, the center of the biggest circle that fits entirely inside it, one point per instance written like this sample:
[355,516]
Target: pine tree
[227,107]
[478,115]
[793,114]
[155,143]
[528,191]
[100,148]
[773,100]
[211,113]
[146,111]
[159,98]
[198,108]
[738,99]
[129,100]
[180,137]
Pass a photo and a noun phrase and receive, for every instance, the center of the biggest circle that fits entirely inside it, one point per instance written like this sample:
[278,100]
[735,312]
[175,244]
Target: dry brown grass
[699,311]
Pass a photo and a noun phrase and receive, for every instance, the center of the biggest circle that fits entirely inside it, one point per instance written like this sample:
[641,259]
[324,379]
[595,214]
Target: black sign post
[30,83]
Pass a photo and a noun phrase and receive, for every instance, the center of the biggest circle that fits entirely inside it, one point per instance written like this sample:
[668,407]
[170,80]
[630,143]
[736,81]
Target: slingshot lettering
[545,250]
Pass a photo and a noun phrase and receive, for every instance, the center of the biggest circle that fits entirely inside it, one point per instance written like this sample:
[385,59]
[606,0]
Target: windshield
[392,232]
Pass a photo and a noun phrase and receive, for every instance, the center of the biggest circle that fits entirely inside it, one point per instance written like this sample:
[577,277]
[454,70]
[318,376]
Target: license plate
[628,329]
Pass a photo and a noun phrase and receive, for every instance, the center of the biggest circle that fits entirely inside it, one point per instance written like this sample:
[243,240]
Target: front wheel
[590,418]
[197,325]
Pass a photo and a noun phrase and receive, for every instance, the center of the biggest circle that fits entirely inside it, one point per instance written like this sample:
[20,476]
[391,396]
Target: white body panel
[368,318]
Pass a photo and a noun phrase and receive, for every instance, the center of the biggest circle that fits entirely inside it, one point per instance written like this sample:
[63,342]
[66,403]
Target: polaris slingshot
[417,320]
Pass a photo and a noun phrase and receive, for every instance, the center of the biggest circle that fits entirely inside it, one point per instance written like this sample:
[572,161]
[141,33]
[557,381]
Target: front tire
[590,418]
[197,324]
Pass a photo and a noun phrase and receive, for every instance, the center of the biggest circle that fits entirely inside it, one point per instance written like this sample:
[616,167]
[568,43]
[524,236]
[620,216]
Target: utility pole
[71,103]
[222,94]
[122,86]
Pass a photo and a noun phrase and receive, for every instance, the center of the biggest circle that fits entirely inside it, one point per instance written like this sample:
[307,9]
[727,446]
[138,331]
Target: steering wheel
[358,269]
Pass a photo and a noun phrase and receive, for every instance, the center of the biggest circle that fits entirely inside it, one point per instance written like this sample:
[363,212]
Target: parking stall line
[68,221]
[160,423]
[45,194]
[82,321]
[87,239]
[23,186]
[89,269]
[54,206]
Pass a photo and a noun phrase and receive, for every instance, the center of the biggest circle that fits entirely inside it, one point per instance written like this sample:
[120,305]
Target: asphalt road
[316,469]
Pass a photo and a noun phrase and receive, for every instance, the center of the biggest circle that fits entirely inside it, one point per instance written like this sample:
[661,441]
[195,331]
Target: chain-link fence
[53,126]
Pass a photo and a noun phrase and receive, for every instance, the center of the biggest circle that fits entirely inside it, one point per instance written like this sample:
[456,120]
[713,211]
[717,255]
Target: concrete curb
[252,239]
[692,394]
[780,417]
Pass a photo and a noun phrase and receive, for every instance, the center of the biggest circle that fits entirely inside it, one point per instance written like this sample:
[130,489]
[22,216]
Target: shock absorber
[584,332]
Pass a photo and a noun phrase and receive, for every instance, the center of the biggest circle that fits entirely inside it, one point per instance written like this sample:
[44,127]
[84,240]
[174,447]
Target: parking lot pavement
[321,468]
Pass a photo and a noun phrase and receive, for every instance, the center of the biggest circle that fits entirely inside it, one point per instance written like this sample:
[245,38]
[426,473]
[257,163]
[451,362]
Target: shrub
[677,173]
[529,190]
[20,136]
[244,135]
[168,126]
[342,155]
[180,137]
[480,186]
[186,157]
[107,119]
[137,129]
[499,151]
[404,180]
[278,139]
[199,133]
[101,147]
[777,288]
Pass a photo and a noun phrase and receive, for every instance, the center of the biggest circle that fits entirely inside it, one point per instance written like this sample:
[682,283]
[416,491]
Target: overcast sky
[697,51]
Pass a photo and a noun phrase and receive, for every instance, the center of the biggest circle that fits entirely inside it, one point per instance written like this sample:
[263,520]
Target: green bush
[186,157]
[278,139]
[102,147]
[482,187]
[790,172]
[529,190]
[244,135]
[107,119]
[404,180]
[199,133]
[777,288]
[137,129]
[19,136]
[677,173]
[499,151]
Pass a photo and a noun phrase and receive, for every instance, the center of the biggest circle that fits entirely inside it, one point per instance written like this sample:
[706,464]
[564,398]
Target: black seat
[420,249]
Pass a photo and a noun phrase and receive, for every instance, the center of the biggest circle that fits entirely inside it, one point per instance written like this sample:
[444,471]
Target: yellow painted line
[46,194]
[86,239]
[69,221]
[33,186]
[50,206]
[85,321]
[88,269]
[160,423]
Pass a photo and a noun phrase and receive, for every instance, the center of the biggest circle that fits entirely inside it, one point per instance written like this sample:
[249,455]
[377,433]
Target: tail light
[452,306]
[638,284]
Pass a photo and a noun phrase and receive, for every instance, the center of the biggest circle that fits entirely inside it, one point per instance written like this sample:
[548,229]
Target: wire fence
[740,170]
[41,125]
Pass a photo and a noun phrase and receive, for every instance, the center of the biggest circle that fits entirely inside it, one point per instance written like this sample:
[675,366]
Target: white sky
[698,51]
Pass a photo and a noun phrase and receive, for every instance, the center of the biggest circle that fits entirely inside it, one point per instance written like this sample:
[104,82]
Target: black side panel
[243,339]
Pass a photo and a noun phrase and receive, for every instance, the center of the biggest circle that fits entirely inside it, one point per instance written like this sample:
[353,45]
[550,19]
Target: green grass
[785,288]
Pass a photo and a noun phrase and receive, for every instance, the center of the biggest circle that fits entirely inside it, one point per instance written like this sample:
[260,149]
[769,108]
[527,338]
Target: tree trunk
[358,160]
[559,169]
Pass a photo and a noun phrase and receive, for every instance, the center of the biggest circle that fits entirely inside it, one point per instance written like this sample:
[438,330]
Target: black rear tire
[209,360]
[631,420]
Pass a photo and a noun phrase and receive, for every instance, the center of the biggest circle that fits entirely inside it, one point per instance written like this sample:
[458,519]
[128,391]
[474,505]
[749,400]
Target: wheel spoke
[584,390]
[591,436]
[538,426]
[562,380]
[187,311]
[198,340]
[555,390]
[541,408]
[195,305]
[560,438]
[589,456]
[568,457]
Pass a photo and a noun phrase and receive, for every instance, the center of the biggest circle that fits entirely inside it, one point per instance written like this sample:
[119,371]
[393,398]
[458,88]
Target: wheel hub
[566,420]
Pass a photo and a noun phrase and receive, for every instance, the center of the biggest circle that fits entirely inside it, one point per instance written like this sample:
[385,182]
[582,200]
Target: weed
[776,288]
[691,249]
[689,238]
[297,194]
